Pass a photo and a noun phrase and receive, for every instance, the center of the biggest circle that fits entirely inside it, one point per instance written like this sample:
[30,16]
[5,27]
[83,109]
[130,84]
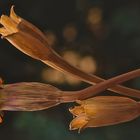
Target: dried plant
[103,110]
[33,96]
[31,41]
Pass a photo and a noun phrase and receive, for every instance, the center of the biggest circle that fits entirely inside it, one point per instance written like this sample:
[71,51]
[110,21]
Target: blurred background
[101,37]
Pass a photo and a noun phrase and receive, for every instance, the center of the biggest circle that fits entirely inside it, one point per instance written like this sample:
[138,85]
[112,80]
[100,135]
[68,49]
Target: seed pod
[31,96]
[103,111]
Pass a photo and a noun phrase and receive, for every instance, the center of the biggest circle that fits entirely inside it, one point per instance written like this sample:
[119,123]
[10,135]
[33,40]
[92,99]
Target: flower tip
[78,123]
[3,19]
[79,102]
[76,110]
[4,33]
[12,7]
[73,128]
[13,15]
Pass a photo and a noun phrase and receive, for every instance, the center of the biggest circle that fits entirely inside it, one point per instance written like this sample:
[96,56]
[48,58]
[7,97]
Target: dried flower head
[24,36]
[103,111]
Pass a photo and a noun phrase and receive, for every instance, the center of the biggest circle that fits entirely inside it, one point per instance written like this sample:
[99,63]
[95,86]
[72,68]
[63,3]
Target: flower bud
[103,111]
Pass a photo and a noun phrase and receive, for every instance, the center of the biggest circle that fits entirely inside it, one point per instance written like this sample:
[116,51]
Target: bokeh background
[98,36]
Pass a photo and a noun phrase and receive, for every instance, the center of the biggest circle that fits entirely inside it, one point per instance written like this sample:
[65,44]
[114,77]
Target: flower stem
[94,90]
[58,63]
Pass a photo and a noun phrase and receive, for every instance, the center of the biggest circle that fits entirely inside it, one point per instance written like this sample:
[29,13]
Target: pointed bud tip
[76,110]
[79,102]
[79,122]
[13,15]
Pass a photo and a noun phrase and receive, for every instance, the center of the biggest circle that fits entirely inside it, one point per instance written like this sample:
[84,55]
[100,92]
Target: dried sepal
[103,111]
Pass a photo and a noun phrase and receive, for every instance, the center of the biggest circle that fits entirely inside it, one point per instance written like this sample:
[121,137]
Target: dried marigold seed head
[25,36]
[104,111]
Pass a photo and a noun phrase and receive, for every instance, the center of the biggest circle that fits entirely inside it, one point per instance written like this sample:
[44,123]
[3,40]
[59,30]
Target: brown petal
[112,118]
[106,110]
[79,122]
[29,45]
[110,105]
[14,16]
[77,110]
[4,32]
[9,24]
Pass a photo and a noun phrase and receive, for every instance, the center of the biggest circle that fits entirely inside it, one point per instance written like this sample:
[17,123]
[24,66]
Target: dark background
[112,38]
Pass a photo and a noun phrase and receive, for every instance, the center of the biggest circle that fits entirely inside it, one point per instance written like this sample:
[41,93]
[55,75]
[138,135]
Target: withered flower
[31,96]
[103,111]
[24,36]
[31,41]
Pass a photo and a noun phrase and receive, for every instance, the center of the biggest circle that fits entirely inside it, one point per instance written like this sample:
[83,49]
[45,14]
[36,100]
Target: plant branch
[94,90]
[60,64]
[33,96]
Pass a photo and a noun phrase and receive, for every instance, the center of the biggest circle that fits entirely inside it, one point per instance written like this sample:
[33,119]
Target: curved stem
[94,90]
[58,63]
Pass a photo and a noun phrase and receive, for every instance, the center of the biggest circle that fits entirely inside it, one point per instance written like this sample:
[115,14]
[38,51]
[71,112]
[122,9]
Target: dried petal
[4,32]
[14,16]
[105,110]
[79,122]
[77,110]
[9,24]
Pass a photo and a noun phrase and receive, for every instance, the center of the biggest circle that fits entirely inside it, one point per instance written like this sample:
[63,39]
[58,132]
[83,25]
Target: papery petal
[104,110]
[4,32]
[77,110]
[79,122]
[110,118]
[29,45]
[14,16]
[9,24]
